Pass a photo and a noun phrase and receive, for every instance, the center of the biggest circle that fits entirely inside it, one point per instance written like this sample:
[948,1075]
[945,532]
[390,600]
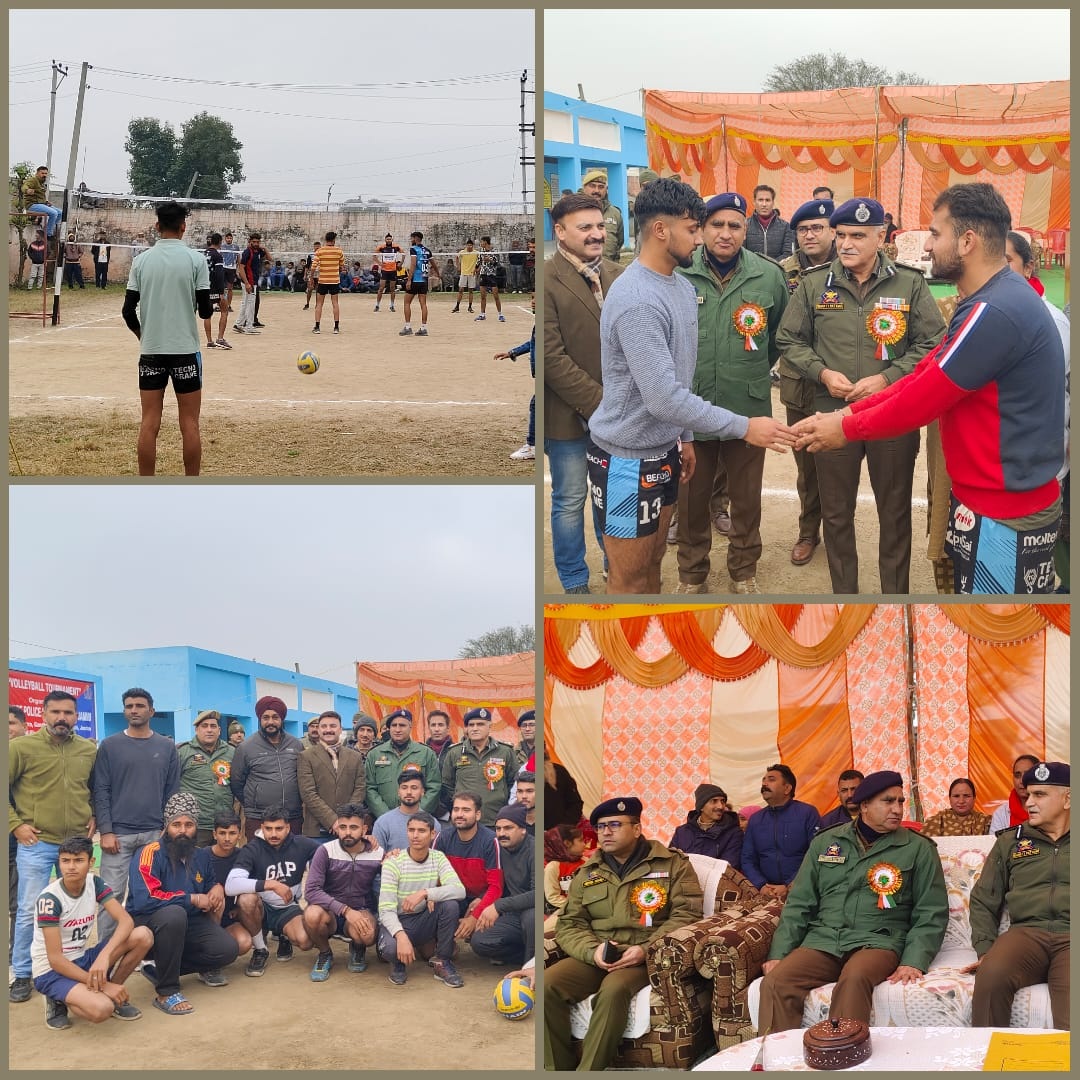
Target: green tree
[501,642]
[207,146]
[818,71]
[17,220]
[153,149]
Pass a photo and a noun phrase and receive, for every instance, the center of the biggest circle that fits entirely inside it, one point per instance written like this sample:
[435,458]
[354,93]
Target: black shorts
[329,290]
[184,370]
[489,281]
[629,493]
[230,275]
[275,918]
[417,288]
[389,275]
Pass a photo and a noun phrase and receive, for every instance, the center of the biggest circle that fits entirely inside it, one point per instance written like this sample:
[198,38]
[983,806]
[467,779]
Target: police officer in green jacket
[868,904]
[632,892]
[1026,872]
[594,183]
[479,764]
[388,760]
[205,768]
[852,328]
[741,298]
[815,235]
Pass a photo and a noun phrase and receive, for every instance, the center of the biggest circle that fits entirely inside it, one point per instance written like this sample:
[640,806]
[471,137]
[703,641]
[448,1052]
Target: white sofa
[942,997]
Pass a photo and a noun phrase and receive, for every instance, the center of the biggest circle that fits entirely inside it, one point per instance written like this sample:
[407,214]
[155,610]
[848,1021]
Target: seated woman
[961,818]
[564,852]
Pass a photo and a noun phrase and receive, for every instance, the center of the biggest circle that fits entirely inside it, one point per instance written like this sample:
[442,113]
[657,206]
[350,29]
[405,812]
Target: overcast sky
[322,575]
[614,54]
[444,141]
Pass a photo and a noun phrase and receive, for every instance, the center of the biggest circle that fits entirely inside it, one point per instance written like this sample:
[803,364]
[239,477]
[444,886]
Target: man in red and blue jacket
[474,853]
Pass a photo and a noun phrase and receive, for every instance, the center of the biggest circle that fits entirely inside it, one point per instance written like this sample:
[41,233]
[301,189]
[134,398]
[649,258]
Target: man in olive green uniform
[733,285]
[205,768]
[479,764]
[386,761]
[1027,872]
[594,184]
[867,904]
[810,224]
[632,892]
[851,329]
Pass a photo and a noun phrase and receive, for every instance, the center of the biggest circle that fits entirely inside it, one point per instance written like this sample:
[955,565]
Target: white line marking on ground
[266,401]
[60,329]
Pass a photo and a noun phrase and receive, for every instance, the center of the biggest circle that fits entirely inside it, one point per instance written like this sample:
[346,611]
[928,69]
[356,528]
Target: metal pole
[328,190]
[73,160]
[62,72]
[526,159]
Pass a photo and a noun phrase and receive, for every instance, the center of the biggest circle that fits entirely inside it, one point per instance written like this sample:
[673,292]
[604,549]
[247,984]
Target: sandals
[172,1005]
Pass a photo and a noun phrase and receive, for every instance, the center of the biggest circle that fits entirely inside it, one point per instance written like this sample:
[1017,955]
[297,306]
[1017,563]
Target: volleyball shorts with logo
[629,493]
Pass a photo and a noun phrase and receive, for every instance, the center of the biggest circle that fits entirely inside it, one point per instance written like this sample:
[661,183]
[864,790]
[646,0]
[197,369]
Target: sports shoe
[470,309]
[405,331]
[126,1011]
[258,325]
[578,589]
[337,329]
[750,585]
[213,977]
[376,307]
[316,330]
[687,587]
[422,332]
[524,453]
[456,308]
[284,950]
[56,1015]
[237,327]
[480,318]
[210,345]
[306,306]
[222,343]
[357,957]
[323,963]
[391,307]
[398,973]
[256,966]
[445,972]
[20,989]
[502,318]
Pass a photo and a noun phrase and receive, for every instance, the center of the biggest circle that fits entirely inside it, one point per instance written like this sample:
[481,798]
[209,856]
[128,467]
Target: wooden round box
[836,1044]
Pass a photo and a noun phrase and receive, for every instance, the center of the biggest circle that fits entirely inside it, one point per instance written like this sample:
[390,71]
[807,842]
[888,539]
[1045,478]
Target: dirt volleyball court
[380,404]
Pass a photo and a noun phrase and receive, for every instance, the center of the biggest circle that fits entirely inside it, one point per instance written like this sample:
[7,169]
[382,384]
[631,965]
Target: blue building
[579,136]
[184,681]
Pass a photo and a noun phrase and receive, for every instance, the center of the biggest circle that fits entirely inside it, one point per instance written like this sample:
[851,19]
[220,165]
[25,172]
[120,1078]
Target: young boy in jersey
[416,283]
[389,256]
[224,853]
[528,451]
[489,279]
[89,982]
[215,263]
[330,260]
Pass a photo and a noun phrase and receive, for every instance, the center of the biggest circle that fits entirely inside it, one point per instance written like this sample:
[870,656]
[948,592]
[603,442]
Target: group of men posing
[658,389]
[350,828]
[863,901]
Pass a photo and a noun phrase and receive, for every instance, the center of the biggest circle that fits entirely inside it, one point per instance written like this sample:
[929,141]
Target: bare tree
[501,642]
[818,71]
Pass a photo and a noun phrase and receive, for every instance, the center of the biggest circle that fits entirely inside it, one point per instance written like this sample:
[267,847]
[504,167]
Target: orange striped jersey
[330,260]
[390,257]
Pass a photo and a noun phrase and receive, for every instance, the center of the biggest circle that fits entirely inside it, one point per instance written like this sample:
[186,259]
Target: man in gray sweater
[641,435]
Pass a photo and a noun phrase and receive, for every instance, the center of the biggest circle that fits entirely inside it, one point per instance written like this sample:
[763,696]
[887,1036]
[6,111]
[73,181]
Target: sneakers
[687,587]
[258,325]
[470,309]
[306,306]
[524,453]
[446,973]
[210,345]
[422,332]
[20,989]
[213,977]
[323,963]
[357,957]
[56,1015]
[480,318]
[398,973]
[376,307]
[750,585]
[126,1012]
[337,329]
[578,589]
[284,950]
[391,307]
[221,343]
[456,308]
[405,331]
[256,966]
[502,318]
[316,330]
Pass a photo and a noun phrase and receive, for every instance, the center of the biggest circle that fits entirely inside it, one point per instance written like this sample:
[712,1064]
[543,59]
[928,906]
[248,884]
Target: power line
[397,157]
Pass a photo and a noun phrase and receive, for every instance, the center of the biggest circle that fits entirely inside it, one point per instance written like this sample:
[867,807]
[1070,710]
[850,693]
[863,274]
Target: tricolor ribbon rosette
[493,772]
[221,770]
[749,320]
[885,879]
[886,327]
[648,897]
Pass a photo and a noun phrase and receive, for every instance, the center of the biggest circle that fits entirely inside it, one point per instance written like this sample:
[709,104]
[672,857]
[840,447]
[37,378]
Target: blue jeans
[35,863]
[569,489]
[53,214]
[115,870]
[531,437]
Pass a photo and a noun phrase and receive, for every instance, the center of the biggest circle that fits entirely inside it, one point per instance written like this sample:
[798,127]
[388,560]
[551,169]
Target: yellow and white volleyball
[307,362]
[514,998]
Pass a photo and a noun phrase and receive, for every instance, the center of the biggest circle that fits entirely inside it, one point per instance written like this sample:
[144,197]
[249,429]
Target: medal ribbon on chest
[648,897]
[886,327]
[493,772]
[749,320]
[885,879]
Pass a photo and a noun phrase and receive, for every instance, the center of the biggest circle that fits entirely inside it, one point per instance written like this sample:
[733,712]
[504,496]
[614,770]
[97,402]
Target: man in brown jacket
[577,280]
[329,774]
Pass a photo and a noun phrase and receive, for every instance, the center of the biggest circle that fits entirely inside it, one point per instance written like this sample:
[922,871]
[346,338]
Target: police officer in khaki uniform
[594,183]
[630,893]
[868,904]
[479,764]
[810,223]
[1027,872]
[852,328]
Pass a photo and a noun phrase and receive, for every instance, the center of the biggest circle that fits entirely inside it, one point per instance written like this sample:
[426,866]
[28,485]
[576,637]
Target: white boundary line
[61,329]
[266,401]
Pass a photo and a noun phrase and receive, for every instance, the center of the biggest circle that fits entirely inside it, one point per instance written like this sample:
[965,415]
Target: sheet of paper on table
[1027,1053]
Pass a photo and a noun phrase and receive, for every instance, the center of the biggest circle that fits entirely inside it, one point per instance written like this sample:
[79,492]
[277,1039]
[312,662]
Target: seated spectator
[776,840]
[266,883]
[564,852]
[290,273]
[340,891]
[277,276]
[1013,813]
[369,281]
[848,810]
[417,904]
[711,828]
[746,813]
[562,800]
[264,276]
[961,818]
[173,892]
[505,930]
[300,276]
[223,852]
[392,828]
[473,852]
[88,981]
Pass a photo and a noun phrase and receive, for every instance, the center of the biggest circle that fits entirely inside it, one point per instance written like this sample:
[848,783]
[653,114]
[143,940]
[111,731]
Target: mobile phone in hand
[611,953]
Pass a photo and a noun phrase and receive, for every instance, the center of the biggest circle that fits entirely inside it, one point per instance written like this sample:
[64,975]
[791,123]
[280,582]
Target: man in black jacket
[505,930]
[767,233]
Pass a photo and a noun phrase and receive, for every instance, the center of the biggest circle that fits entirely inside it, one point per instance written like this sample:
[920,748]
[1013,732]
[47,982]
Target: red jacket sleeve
[494,878]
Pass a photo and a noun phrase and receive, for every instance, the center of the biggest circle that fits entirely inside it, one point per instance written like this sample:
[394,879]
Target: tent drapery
[668,696]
